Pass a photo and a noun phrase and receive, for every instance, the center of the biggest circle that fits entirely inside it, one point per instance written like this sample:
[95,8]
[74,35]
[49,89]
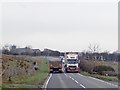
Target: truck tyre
[66,71]
[76,71]
[51,71]
[60,71]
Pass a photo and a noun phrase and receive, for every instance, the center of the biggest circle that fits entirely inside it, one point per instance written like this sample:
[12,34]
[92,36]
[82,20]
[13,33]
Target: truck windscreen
[72,61]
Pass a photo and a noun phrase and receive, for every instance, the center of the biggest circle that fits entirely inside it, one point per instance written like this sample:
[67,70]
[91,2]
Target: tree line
[93,52]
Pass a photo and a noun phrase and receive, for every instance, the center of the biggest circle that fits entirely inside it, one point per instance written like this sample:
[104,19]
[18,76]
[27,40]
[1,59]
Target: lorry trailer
[55,66]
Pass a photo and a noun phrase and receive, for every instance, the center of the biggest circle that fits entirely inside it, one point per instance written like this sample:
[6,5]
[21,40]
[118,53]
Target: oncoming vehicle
[55,66]
[71,63]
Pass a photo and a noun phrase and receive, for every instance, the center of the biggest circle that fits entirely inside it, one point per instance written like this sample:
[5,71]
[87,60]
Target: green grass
[17,86]
[36,79]
[113,64]
[85,73]
[107,78]
[0,87]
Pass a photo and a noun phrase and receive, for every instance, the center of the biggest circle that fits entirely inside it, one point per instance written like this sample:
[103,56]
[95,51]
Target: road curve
[75,80]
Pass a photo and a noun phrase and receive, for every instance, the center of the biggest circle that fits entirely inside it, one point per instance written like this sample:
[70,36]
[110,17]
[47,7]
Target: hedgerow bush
[15,66]
[87,66]
[102,68]
[92,67]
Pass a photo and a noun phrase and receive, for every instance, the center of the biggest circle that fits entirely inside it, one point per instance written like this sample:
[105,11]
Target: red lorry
[55,66]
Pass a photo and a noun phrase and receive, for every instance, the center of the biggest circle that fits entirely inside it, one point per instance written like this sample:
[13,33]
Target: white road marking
[99,80]
[75,81]
[70,77]
[47,81]
[104,81]
[81,75]
[66,75]
[82,86]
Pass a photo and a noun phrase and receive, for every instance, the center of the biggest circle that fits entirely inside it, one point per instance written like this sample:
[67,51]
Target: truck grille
[72,67]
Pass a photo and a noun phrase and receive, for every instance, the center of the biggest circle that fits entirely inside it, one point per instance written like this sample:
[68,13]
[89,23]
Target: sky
[63,26]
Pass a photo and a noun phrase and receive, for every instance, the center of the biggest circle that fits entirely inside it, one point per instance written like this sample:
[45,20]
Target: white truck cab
[71,63]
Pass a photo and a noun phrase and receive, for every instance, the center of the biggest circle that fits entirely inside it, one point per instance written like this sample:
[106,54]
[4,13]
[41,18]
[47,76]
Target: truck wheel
[76,71]
[66,71]
[51,71]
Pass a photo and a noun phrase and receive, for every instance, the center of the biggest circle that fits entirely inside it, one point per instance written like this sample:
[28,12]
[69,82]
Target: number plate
[72,68]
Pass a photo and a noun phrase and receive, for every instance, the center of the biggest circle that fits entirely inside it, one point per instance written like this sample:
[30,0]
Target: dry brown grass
[14,66]
[21,71]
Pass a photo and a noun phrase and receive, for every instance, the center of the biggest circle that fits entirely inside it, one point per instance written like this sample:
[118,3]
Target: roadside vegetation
[23,71]
[106,70]
[0,71]
[103,77]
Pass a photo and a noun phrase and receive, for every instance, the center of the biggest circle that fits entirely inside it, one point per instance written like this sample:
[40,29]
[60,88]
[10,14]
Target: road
[76,80]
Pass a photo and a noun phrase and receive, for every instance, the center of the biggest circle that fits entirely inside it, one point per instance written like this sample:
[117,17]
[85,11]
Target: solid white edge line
[98,80]
[104,81]
[45,86]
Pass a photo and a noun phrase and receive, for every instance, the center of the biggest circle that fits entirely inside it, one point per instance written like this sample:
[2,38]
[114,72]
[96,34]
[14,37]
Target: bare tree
[94,49]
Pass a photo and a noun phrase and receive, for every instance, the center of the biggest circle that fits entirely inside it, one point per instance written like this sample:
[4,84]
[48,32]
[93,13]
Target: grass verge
[106,78]
[35,80]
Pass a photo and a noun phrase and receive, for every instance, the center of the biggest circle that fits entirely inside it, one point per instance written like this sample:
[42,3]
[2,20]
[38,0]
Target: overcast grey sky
[64,26]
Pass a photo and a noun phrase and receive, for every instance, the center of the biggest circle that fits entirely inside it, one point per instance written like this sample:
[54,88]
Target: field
[20,71]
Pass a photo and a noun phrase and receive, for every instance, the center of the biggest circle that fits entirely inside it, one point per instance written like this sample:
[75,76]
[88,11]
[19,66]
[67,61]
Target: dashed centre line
[75,81]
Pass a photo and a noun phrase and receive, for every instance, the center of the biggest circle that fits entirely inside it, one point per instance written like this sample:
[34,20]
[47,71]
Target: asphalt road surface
[75,80]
